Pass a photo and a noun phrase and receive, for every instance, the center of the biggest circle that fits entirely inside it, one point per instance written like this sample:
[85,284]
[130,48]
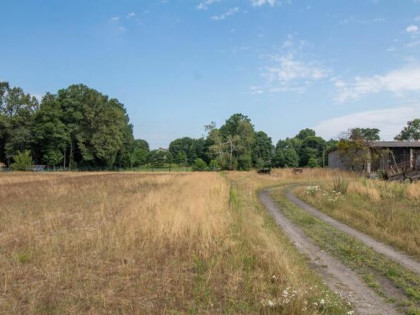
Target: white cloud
[258,3]
[390,121]
[287,68]
[228,13]
[205,4]
[116,26]
[398,81]
[131,15]
[412,29]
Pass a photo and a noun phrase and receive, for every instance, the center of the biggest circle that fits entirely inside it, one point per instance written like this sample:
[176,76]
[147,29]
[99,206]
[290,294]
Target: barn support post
[411,159]
[369,161]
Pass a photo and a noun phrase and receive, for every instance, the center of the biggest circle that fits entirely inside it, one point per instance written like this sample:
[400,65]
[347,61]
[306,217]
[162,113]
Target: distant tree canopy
[17,110]
[186,150]
[140,152]
[231,145]
[262,150]
[79,127]
[366,134]
[90,129]
[305,149]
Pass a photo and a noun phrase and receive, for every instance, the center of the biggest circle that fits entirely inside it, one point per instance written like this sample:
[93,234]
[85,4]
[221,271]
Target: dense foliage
[411,131]
[78,127]
[355,150]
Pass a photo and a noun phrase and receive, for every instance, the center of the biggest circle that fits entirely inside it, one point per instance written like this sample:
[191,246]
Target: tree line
[79,127]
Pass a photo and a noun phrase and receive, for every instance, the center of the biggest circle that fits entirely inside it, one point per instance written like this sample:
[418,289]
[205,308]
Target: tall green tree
[192,148]
[51,136]
[198,150]
[312,147]
[262,150]
[306,145]
[236,139]
[291,158]
[17,110]
[305,133]
[411,131]
[140,152]
[181,145]
[98,127]
[367,134]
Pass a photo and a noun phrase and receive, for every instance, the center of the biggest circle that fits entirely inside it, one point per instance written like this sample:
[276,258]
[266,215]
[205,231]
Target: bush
[213,165]
[23,161]
[199,165]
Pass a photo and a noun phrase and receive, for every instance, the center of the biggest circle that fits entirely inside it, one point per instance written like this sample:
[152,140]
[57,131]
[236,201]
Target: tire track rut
[335,274]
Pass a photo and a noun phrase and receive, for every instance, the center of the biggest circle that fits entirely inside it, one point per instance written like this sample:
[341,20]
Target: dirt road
[337,276]
[379,247]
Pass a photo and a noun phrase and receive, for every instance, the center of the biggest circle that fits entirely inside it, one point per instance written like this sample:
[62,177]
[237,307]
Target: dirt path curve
[379,247]
[337,276]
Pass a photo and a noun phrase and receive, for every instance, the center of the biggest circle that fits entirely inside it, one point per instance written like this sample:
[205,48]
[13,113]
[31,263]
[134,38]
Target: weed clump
[340,184]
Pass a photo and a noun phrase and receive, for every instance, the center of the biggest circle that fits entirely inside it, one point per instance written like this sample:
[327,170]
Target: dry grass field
[389,211]
[149,243]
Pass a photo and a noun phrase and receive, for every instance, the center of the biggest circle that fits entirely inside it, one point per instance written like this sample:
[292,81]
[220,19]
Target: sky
[178,65]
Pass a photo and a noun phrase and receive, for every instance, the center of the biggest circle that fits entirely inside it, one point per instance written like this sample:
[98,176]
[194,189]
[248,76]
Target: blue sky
[178,65]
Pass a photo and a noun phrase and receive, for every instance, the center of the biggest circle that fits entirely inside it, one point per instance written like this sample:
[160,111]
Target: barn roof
[395,144]
[390,144]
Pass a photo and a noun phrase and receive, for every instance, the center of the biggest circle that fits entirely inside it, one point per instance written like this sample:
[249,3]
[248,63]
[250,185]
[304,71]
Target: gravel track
[336,275]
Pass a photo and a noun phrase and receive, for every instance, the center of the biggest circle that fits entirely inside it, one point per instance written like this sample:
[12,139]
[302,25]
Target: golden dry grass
[389,211]
[147,243]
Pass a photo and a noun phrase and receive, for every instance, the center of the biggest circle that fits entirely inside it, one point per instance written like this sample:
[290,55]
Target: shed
[392,155]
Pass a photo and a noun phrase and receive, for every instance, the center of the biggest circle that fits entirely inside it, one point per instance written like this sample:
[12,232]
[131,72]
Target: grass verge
[388,211]
[385,276]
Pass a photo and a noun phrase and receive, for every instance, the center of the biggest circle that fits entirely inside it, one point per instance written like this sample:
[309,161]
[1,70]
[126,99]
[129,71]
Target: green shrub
[23,161]
[213,165]
[199,165]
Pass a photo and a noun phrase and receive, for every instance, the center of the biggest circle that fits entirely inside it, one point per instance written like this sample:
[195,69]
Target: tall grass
[146,243]
[108,242]
[340,184]
[389,211]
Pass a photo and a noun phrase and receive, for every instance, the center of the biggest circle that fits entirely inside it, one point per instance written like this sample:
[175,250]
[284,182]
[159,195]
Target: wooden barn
[393,157]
